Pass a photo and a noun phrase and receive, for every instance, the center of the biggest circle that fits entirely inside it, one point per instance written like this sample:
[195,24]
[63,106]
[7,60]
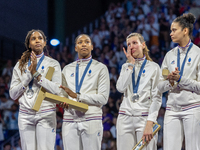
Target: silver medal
[135,97]
[29,93]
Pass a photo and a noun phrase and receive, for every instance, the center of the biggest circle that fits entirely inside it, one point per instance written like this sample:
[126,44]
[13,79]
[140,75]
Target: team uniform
[183,104]
[133,116]
[37,129]
[84,130]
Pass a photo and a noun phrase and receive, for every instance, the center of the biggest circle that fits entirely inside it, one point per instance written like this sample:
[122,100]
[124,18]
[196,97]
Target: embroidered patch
[89,73]
[99,134]
[72,75]
[189,61]
[42,71]
[173,62]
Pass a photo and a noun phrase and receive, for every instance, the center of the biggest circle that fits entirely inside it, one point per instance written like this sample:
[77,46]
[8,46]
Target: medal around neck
[29,93]
[135,97]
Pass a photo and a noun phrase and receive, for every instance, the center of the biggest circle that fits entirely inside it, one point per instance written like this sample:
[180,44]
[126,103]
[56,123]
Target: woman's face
[37,43]
[177,33]
[136,47]
[83,47]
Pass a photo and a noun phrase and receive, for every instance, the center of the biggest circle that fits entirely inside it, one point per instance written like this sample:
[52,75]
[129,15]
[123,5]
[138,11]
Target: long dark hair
[26,55]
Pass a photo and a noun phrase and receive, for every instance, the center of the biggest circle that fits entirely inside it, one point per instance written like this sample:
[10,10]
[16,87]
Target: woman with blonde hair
[138,81]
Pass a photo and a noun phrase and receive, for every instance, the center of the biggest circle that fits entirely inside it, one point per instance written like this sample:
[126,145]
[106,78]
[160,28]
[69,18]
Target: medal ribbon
[183,64]
[135,86]
[38,65]
[78,86]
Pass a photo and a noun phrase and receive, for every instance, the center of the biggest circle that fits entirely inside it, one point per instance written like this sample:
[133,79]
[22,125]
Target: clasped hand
[174,75]
[32,67]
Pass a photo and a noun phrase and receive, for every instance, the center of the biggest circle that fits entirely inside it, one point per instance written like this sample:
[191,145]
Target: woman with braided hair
[182,116]
[37,129]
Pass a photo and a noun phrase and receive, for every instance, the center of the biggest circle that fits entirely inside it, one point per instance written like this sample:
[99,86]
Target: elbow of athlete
[13,95]
[120,89]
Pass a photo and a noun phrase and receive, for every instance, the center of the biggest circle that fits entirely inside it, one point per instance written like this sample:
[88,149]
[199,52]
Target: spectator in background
[197,39]
[107,118]
[97,38]
[164,30]
[8,69]
[196,29]
[113,74]
[171,16]
[113,129]
[2,84]
[66,55]
[160,121]
[154,32]
[12,119]
[2,123]
[3,91]
[145,30]
[7,146]
[5,106]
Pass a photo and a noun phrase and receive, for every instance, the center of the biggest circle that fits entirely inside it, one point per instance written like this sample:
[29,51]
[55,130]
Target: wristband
[35,74]
[132,65]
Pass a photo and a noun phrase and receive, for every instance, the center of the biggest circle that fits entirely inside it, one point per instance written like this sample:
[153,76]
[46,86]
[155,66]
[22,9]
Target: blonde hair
[141,38]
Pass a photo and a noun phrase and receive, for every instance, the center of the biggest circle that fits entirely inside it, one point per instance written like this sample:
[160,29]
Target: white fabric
[187,91]
[94,90]
[182,95]
[84,130]
[86,135]
[18,90]
[180,124]
[130,131]
[150,98]
[37,129]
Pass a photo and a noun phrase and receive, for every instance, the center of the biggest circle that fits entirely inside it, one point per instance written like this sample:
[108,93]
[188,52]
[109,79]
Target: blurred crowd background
[151,18]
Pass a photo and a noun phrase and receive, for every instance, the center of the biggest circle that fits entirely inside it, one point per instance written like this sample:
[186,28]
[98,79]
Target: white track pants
[86,135]
[178,124]
[130,131]
[37,132]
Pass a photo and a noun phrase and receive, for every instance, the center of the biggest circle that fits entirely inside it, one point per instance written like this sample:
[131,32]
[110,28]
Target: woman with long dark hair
[37,129]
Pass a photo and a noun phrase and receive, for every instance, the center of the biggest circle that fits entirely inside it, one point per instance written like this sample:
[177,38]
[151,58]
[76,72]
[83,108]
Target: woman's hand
[69,92]
[148,132]
[33,65]
[174,75]
[129,56]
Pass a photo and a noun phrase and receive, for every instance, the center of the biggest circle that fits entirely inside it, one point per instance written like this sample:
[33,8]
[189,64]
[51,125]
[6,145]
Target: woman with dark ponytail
[182,117]
[37,129]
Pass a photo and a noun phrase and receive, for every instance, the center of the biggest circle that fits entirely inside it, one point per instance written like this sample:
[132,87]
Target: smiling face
[83,46]
[37,42]
[136,47]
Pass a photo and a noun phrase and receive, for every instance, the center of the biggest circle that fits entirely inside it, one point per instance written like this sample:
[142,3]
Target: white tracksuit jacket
[150,98]
[18,90]
[187,91]
[94,90]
